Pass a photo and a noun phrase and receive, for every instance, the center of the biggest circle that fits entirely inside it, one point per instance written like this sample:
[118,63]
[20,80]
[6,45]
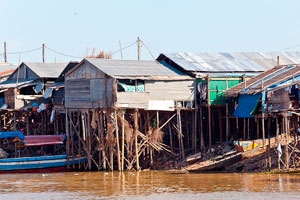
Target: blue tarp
[246,105]
[12,134]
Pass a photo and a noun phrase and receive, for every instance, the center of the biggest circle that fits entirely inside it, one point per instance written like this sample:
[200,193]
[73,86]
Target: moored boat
[37,153]
[215,164]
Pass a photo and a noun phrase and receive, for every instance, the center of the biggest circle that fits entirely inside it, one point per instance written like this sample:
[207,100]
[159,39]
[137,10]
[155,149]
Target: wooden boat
[36,153]
[216,164]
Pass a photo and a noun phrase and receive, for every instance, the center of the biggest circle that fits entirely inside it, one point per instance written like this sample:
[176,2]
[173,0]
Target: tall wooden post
[227,123]
[136,127]
[118,141]
[180,138]
[201,130]
[123,141]
[68,139]
[209,113]
[43,52]
[5,54]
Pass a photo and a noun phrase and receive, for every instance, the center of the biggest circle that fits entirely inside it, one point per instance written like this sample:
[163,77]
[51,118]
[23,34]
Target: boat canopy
[40,140]
[12,134]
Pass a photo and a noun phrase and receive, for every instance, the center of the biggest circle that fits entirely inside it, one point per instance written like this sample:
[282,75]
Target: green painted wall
[217,87]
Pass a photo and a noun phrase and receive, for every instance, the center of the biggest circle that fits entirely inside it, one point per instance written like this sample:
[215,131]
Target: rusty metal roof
[273,79]
[136,69]
[230,62]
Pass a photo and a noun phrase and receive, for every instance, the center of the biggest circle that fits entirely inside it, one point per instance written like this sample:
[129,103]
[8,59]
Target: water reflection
[151,185]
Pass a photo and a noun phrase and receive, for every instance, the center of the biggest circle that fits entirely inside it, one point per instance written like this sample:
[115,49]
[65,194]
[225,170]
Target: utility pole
[43,53]
[138,47]
[121,49]
[5,56]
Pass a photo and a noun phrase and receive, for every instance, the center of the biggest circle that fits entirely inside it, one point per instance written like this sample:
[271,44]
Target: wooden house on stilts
[271,99]
[23,94]
[124,113]
[215,73]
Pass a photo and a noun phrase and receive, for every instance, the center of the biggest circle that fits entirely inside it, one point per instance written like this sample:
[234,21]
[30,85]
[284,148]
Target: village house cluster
[140,114]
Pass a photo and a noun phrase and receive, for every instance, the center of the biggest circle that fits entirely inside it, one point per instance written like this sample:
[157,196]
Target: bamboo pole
[118,141]
[194,129]
[180,139]
[278,142]
[220,125]
[123,142]
[227,122]
[287,157]
[201,130]
[89,139]
[68,139]
[136,127]
[100,139]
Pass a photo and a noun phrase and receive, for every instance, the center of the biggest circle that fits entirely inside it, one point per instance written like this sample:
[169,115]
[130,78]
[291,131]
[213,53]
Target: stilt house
[215,73]
[270,101]
[112,102]
[28,82]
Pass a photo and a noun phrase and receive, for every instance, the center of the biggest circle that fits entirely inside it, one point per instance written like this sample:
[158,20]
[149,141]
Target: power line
[23,51]
[148,50]
[62,53]
[124,47]
[291,47]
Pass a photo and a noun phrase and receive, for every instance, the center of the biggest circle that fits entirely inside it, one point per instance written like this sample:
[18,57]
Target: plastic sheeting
[246,105]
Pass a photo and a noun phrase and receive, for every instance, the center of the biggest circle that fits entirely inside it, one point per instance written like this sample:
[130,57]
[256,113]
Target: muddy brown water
[149,185]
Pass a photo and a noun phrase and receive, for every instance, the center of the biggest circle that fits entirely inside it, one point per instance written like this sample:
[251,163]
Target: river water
[150,185]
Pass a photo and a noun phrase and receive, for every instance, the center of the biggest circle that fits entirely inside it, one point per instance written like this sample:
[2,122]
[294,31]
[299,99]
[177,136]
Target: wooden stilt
[278,141]
[209,126]
[68,139]
[201,130]
[136,128]
[263,129]
[180,136]
[118,141]
[102,140]
[287,157]
[227,122]
[171,137]
[220,125]
[123,142]
[244,129]
[194,129]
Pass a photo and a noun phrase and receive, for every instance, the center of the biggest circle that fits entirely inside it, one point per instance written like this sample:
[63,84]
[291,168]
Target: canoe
[216,164]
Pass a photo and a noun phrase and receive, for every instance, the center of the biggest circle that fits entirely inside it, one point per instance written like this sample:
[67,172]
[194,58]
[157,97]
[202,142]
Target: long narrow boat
[31,154]
[216,164]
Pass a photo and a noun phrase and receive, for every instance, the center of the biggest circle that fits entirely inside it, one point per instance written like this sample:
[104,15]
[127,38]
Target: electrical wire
[124,47]
[148,50]
[62,53]
[25,51]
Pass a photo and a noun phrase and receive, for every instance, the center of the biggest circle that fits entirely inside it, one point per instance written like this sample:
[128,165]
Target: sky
[73,29]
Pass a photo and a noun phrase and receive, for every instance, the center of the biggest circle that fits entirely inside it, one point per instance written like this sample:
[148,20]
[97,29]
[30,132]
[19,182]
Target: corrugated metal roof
[231,62]
[46,70]
[135,68]
[273,79]
[7,67]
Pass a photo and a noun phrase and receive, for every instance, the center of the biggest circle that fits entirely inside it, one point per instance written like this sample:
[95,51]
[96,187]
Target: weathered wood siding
[88,87]
[132,100]
[157,90]
[170,90]
[23,73]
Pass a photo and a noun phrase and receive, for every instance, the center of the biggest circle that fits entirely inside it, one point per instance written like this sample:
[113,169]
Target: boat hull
[214,165]
[57,163]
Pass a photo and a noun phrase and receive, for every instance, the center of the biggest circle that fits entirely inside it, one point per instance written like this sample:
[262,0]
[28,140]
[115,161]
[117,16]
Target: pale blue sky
[75,27]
